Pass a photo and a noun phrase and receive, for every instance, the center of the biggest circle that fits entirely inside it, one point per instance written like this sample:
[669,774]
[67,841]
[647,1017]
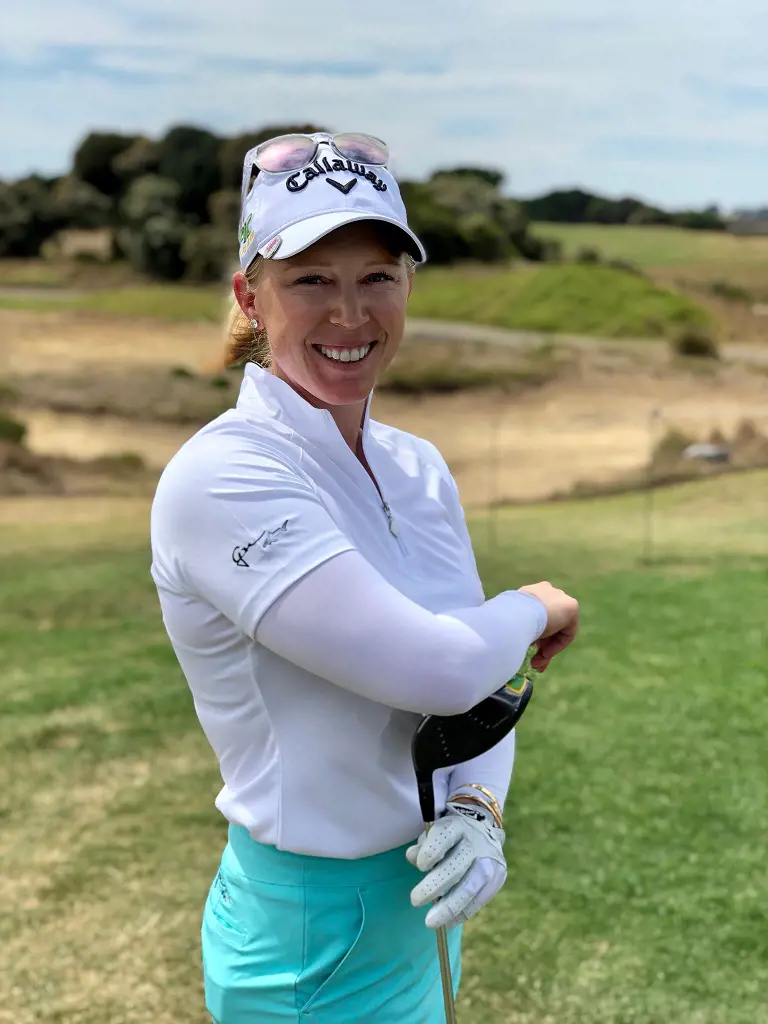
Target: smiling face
[334,313]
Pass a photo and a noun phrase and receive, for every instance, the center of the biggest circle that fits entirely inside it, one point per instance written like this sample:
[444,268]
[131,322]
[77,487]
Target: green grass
[637,892]
[156,301]
[568,298]
[650,246]
[571,299]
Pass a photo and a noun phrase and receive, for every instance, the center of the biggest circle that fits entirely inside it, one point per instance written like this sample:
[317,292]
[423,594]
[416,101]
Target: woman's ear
[244,295]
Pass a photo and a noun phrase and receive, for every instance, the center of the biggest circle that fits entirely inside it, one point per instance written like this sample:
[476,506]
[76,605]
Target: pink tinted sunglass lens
[362,147]
[286,154]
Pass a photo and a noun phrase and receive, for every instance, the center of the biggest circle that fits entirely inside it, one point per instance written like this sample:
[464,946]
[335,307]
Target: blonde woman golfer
[319,588]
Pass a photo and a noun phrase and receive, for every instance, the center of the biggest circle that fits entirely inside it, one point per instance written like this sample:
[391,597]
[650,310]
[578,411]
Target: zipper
[392,526]
[394,529]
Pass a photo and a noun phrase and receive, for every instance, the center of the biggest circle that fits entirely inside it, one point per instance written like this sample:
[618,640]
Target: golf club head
[441,741]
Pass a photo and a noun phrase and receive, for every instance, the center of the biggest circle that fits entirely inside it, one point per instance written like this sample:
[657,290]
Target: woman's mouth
[345,354]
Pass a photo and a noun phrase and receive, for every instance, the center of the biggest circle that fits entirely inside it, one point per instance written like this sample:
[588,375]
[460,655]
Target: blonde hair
[244,344]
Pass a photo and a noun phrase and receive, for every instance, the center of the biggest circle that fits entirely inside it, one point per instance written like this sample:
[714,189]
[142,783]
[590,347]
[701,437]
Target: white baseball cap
[287,211]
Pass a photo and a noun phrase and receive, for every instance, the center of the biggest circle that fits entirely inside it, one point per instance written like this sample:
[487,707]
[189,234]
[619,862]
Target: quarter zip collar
[265,396]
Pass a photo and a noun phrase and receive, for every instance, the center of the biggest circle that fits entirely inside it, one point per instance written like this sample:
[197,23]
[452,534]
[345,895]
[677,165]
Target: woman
[318,585]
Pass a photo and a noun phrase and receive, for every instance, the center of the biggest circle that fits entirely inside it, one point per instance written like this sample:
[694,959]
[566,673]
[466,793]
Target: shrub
[11,430]
[73,203]
[626,265]
[672,444]
[190,156]
[588,254]
[729,291]
[207,252]
[94,157]
[690,341]
[149,196]
[155,248]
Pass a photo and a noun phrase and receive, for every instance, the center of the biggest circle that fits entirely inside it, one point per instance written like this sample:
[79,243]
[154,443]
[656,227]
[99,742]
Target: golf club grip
[427,798]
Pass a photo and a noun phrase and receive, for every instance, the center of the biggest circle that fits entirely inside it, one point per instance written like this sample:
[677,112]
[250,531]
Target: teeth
[345,355]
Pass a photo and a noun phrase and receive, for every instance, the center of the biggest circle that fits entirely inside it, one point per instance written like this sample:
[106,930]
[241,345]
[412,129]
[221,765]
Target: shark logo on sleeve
[266,539]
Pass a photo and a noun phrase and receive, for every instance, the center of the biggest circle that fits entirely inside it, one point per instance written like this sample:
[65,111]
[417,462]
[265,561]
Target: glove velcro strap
[467,798]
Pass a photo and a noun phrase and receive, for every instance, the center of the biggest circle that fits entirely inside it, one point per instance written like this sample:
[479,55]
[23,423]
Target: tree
[208,252]
[561,206]
[14,223]
[25,217]
[94,159]
[490,177]
[155,249]
[224,210]
[73,203]
[433,223]
[190,157]
[140,158]
[149,196]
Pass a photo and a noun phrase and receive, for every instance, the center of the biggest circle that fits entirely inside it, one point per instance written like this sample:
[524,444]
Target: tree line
[171,205]
[575,206]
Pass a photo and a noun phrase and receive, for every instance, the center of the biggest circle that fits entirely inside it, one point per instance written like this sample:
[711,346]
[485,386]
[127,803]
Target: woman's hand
[562,622]
[462,853]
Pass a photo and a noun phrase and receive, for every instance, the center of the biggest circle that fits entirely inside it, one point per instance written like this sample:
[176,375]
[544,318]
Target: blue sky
[665,99]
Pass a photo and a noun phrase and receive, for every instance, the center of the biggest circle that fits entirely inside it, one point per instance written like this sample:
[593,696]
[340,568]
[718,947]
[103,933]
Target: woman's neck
[348,418]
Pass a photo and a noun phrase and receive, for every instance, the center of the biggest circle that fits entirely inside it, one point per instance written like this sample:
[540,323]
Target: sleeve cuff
[538,611]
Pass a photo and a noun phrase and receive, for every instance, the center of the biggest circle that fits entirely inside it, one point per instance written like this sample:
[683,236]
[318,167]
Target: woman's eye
[380,275]
[309,279]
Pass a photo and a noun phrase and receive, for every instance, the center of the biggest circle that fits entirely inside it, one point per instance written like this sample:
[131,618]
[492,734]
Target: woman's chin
[342,383]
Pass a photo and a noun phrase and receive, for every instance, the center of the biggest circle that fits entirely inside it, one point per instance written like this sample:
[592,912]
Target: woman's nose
[349,310]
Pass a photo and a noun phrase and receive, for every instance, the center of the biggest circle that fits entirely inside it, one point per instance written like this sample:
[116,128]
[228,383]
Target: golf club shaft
[445,974]
[444,957]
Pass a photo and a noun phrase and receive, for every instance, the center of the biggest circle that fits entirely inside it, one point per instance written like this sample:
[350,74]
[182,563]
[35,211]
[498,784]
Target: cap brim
[300,236]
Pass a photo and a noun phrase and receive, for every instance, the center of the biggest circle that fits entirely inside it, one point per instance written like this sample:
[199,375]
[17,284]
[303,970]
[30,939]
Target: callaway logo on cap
[287,210]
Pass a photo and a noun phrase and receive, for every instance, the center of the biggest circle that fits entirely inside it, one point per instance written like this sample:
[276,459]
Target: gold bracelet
[470,799]
[486,792]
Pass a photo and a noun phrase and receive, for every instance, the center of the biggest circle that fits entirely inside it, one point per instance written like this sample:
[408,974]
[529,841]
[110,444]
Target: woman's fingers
[549,646]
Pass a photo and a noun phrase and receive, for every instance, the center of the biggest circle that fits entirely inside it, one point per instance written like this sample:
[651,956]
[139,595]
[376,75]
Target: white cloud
[667,100]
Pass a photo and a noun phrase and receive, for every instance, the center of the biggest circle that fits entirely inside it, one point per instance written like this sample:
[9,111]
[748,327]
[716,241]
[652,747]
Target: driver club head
[442,741]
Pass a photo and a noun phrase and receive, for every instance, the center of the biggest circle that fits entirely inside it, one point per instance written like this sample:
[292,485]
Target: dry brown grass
[562,417]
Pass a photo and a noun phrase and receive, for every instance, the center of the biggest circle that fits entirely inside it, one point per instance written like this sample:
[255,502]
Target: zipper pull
[392,524]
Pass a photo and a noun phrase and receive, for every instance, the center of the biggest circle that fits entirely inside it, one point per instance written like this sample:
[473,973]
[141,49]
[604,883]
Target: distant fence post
[494,467]
[649,504]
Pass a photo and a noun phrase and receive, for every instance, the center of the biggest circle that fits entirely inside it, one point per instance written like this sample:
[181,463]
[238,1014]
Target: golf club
[442,741]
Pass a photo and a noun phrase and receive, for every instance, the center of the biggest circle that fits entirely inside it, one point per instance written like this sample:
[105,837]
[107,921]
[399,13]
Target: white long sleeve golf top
[316,620]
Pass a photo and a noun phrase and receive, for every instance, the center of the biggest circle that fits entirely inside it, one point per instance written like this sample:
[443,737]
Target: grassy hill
[566,298]
[562,298]
[659,246]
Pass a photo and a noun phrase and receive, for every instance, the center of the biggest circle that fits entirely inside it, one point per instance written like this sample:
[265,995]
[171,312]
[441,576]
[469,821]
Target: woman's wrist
[487,800]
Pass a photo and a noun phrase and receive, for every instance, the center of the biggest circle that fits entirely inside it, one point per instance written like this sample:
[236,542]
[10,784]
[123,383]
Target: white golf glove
[463,855]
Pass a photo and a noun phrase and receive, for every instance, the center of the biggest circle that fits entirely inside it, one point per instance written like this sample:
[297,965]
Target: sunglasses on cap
[292,152]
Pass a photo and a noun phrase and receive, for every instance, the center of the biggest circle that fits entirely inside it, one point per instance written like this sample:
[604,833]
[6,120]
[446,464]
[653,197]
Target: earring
[255,324]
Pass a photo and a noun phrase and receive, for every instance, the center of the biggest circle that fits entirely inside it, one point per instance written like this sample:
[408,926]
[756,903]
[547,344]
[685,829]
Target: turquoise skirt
[294,938]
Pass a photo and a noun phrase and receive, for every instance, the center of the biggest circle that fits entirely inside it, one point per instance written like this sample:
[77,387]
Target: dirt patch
[137,393]
[63,342]
[591,430]
[26,472]
[76,436]
[87,387]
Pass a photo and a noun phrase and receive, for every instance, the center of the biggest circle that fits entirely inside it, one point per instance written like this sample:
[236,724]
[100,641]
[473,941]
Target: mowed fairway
[638,888]
[661,246]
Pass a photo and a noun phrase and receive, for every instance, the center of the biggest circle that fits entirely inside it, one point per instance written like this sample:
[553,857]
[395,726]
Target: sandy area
[591,424]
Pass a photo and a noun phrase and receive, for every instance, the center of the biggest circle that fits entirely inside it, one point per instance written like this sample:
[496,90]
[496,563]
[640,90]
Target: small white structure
[708,452]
